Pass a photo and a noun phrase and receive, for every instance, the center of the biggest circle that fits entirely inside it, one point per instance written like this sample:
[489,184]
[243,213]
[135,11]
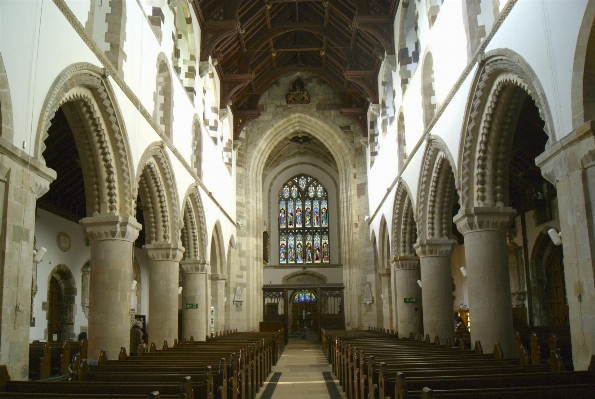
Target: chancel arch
[406,264]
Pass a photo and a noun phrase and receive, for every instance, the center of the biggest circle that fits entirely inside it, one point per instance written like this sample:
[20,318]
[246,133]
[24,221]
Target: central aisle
[301,372]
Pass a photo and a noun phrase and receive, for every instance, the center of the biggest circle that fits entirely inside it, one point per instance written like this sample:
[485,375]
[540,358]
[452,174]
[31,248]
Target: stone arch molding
[502,82]
[158,190]
[194,230]
[304,277]
[218,250]
[404,227]
[435,193]
[105,150]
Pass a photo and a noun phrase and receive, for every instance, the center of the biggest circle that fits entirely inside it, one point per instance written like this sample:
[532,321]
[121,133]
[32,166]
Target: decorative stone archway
[434,243]
[306,277]
[406,264]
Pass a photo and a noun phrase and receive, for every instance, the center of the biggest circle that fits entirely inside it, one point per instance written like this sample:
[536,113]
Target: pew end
[3,376]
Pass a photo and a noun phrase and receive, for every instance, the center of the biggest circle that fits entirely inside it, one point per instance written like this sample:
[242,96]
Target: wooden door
[54,310]
[556,291]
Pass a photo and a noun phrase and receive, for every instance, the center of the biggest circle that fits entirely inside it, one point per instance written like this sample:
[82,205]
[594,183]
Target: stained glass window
[304,296]
[303,222]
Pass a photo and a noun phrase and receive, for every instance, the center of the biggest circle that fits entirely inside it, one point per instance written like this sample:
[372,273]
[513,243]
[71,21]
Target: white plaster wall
[80,8]
[47,227]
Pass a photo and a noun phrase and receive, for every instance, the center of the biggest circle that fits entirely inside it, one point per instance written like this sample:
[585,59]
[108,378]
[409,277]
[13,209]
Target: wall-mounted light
[463,271]
[38,254]
[555,236]
[179,290]
[367,219]
[239,223]
[419,283]
[133,285]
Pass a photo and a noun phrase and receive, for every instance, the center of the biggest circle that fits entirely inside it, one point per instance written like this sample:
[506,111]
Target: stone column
[218,299]
[488,277]
[436,291]
[407,273]
[164,276]
[22,181]
[384,275]
[569,165]
[112,239]
[393,294]
[195,322]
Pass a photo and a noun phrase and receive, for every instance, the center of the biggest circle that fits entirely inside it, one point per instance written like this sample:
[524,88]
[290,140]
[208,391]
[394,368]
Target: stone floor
[299,374]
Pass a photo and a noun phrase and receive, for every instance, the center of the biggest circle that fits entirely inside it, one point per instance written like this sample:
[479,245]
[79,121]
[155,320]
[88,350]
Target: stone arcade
[206,165]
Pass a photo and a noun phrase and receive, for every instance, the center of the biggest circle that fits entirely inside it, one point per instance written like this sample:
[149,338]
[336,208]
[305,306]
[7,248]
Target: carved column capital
[195,266]
[477,219]
[384,272]
[406,262]
[164,251]
[100,228]
[434,247]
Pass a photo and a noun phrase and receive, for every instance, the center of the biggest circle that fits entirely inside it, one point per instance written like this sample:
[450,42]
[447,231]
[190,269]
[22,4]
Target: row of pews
[51,359]
[377,364]
[233,365]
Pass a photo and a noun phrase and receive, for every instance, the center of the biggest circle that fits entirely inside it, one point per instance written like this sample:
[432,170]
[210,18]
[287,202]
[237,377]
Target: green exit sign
[191,305]
[411,300]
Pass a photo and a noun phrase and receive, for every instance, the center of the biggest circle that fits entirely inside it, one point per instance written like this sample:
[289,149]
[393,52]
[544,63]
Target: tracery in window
[303,222]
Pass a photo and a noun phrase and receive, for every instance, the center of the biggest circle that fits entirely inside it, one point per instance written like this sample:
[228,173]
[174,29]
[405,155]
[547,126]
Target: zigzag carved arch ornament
[404,226]
[502,82]
[194,233]
[85,92]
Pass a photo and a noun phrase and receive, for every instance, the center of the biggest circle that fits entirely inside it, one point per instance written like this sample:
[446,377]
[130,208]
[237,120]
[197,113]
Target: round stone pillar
[385,291]
[218,300]
[409,313]
[164,276]
[195,320]
[436,292]
[111,239]
[488,278]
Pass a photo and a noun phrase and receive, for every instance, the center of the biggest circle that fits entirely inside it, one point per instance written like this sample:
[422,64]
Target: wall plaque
[63,241]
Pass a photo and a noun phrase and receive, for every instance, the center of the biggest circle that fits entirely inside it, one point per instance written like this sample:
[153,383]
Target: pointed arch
[384,244]
[184,51]
[158,194]
[64,281]
[164,97]
[217,254]
[404,225]
[436,192]
[194,228]
[428,93]
[501,83]
[6,126]
[196,160]
[104,148]
[409,48]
